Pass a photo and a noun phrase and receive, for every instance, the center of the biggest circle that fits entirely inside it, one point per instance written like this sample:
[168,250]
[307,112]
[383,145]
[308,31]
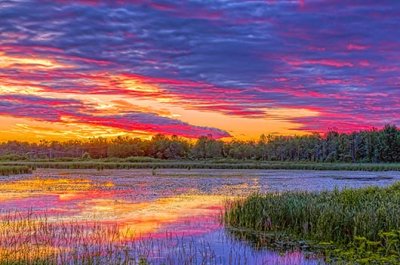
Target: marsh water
[179,209]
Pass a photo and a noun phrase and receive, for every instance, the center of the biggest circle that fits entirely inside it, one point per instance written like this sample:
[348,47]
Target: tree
[207,147]
[391,144]
[363,146]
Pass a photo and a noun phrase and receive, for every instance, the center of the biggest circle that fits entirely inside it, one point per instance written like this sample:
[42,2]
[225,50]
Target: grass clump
[14,170]
[357,225]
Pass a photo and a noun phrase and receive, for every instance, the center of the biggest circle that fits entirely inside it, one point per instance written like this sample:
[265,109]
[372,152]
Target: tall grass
[201,164]
[341,218]
[27,238]
[14,170]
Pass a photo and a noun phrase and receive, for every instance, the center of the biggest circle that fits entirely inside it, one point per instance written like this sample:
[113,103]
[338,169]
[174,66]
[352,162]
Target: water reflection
[83,199]
[176,210]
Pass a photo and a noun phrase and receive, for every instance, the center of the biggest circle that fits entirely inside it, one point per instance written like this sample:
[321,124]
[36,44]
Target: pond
[167,216]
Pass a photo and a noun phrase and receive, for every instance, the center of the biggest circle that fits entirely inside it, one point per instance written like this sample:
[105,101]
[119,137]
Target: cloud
[234,57]
[71,110]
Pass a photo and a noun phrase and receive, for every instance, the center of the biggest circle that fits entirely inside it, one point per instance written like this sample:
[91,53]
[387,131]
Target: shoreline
[202,164]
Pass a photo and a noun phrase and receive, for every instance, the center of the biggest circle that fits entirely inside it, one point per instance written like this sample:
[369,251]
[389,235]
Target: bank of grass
[14,170]
[352,226]
[146,162]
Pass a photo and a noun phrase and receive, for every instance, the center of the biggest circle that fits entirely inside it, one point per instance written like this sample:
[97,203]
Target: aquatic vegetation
[126,217]
[102,164]
[384,250]
[342,222]
[128,212]
[14,170]
[34,239]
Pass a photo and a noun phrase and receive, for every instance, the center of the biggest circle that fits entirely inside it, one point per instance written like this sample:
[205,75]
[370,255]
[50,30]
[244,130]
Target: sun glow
[21,89]
[135,85]
[7,61]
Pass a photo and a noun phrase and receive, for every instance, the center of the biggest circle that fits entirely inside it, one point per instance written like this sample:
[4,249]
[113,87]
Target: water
[173,211]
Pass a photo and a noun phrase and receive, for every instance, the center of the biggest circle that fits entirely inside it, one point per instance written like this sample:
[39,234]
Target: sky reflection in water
[185,204]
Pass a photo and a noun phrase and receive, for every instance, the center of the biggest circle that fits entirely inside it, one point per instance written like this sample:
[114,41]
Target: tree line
[362,146]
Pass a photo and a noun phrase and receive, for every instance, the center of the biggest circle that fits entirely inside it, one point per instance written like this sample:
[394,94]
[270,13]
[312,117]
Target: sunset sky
[86,68]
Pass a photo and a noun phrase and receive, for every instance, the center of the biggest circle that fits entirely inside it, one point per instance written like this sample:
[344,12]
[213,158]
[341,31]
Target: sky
[229,69]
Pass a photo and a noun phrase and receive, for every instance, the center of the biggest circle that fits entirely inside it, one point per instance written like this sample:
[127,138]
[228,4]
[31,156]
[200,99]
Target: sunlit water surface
[173,210]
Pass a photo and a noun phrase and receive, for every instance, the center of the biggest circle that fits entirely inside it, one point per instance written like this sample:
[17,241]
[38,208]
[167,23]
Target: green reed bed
[14,170]
[133,163]
[361,226]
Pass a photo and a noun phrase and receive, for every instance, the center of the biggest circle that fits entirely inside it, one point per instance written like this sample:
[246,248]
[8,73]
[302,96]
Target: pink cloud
[355,47]
[53,110]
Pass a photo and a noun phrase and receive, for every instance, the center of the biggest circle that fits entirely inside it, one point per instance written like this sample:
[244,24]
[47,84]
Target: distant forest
[362,146]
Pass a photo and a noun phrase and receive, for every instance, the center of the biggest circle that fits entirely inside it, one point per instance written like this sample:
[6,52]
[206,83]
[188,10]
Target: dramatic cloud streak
[69,110]
[242,59]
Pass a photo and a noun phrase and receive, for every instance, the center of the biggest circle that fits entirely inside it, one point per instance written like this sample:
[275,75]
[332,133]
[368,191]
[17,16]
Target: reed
[200,164]
[29,238]
[339,219]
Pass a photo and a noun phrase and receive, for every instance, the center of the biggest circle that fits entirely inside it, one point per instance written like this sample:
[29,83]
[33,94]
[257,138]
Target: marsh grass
[346,221]
[14,170]
[27,238]
[140,163]
[32,239]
